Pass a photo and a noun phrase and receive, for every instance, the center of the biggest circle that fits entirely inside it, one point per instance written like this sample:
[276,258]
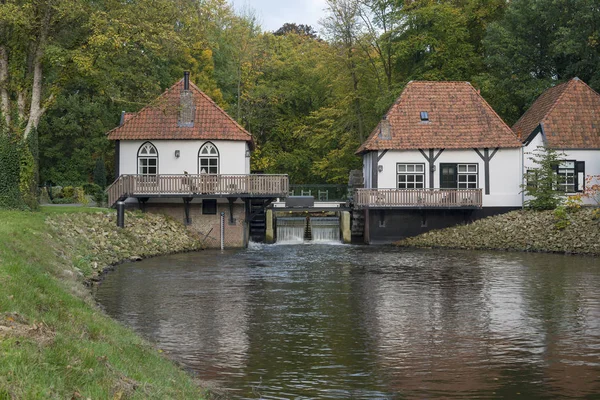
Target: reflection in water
[340,321]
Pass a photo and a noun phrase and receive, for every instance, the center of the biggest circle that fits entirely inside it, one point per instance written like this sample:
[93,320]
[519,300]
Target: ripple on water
[319,321]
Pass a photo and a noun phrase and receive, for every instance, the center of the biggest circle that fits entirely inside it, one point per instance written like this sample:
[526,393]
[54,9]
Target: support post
[121,214]
[346,227]
[367,228]
[231,201]
[186,202]
[270,233]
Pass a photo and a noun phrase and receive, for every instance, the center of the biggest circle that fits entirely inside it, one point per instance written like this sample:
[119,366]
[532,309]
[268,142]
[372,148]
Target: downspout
[522,176]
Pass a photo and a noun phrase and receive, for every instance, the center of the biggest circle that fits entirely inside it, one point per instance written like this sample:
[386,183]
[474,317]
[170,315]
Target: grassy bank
[577,232]
[54,342]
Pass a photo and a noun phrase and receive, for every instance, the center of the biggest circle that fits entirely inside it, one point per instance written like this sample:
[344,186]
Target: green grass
[54,341]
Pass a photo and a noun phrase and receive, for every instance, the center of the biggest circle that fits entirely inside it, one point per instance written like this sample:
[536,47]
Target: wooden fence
[418,198]
[203,184]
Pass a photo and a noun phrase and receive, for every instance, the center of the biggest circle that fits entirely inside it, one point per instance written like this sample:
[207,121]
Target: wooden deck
[203,185]
[418,198]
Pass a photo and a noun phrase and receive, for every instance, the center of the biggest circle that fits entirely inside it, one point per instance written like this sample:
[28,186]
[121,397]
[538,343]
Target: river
[368,322]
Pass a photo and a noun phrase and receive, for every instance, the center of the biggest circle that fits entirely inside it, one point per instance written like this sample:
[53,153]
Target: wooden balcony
[418,198]
[203,185]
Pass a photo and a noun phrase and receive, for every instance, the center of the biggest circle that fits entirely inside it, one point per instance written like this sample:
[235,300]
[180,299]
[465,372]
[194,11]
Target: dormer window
[424,116]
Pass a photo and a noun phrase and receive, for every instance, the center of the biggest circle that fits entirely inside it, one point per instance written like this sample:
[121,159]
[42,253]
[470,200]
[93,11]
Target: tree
[302,30]
[542,180]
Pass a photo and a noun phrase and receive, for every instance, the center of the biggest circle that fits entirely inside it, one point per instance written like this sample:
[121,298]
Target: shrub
[68,191]
[542,180]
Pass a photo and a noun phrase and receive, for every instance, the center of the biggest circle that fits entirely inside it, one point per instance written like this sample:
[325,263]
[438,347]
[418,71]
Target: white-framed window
[410,176]
[567,177]
[147,160]
[467,176]
[208,159]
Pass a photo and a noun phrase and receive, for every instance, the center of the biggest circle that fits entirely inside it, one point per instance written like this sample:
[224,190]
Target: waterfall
[291,230]
[325,229]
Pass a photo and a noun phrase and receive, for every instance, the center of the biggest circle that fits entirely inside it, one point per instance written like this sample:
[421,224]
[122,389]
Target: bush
[542,180]
[90,188]
[10,195]
[68,191]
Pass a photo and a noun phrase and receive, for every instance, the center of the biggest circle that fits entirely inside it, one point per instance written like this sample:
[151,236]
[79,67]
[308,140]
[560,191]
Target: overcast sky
[272,14]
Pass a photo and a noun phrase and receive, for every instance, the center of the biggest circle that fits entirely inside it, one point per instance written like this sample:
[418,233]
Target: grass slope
[54,342]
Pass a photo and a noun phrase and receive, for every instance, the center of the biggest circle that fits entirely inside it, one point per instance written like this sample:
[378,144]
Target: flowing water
[325,229]
[358,322]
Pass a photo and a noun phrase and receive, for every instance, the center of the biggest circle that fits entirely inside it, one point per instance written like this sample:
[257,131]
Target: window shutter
[580,175]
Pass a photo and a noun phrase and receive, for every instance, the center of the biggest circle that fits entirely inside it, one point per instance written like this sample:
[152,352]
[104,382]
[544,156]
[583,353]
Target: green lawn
[54,341]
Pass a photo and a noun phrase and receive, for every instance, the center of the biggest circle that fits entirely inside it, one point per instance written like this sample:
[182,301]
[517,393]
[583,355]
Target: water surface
[340,322]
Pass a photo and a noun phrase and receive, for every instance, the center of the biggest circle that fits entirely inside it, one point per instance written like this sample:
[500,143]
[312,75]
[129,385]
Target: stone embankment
[96,243]
[576,232]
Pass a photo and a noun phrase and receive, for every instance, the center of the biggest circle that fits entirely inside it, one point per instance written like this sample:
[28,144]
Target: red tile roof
[459,118]
[569,114]
[159,120]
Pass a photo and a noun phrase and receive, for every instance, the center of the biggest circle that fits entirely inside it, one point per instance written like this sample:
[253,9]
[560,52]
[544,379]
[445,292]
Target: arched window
[147,160]
[208,159]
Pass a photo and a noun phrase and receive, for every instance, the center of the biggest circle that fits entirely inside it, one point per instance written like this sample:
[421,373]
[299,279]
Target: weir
[290,230]
[325,229]
[296,230]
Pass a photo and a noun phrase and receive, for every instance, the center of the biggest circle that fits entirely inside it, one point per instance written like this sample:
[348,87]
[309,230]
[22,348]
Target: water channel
[366,322]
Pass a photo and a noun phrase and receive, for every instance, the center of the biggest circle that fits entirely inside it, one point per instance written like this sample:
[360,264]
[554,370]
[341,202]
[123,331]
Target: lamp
[380,168]
[247,153]
[177,153]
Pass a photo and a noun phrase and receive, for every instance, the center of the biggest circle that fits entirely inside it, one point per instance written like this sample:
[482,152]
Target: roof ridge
[576,79]
[219,108]
[566,85]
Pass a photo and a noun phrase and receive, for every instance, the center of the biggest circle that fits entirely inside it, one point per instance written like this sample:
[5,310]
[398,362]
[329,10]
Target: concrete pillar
[269,234]
[346,227]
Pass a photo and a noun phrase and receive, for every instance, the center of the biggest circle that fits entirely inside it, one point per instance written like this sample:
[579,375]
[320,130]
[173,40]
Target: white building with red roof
[440,156]
[565,118]
[184,156]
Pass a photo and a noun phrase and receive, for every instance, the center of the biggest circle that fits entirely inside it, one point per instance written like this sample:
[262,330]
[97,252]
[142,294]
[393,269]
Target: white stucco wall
[590,157]
[505,172]
[232,156]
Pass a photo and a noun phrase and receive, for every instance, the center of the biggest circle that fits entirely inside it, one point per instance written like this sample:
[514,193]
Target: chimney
[187,108]
[186,80]
[384,129]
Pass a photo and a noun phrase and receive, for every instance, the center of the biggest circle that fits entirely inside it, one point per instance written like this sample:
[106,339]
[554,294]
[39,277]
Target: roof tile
[459,118]
[159,120]
[569,114]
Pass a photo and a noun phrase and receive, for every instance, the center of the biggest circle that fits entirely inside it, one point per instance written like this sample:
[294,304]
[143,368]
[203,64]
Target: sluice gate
[325,229]
[291,230]
[296,230]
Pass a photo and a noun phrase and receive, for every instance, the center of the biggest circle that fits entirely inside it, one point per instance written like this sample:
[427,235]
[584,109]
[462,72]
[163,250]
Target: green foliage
[28,178]
[100,173]
[10,195]
[542,180]
[561,218]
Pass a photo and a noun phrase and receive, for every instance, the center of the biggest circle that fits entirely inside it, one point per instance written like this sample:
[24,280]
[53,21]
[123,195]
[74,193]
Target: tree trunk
[36,110]
[4,98]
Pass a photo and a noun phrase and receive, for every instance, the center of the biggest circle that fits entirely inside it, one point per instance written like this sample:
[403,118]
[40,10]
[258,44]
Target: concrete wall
[389,225]
[209,225]
[232,156]
[505,172]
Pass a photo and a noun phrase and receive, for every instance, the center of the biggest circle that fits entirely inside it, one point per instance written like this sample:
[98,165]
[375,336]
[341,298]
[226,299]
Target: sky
[272,14]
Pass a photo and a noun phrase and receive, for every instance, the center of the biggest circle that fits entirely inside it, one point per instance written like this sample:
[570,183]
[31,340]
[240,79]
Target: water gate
[294,230]
[291,229]
[325,229]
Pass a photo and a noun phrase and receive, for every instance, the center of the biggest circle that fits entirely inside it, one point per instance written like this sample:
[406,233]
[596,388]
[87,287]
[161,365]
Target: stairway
[258,224]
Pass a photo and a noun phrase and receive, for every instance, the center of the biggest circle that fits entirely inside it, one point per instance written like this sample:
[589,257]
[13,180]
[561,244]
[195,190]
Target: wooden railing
[418,198]
[203,184]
